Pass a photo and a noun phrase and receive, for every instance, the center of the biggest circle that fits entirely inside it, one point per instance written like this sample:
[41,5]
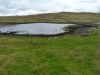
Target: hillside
[61,17]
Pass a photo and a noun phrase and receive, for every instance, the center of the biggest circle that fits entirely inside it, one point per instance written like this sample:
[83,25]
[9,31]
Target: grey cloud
[25,7]
[88,1]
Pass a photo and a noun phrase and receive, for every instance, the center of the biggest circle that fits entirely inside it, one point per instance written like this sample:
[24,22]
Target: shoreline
[81,30]
[89,24]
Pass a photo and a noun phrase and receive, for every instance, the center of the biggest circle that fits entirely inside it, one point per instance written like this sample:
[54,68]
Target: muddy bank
[82,30]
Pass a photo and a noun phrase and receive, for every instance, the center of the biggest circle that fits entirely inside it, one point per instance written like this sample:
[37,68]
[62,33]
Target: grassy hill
[61,17]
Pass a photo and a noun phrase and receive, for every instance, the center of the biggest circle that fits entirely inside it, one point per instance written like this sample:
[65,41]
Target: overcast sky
[26,7]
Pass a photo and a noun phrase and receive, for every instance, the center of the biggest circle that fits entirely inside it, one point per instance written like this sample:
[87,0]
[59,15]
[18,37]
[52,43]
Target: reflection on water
[34,29]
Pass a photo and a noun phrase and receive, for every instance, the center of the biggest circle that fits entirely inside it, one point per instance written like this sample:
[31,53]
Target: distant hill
[61,17]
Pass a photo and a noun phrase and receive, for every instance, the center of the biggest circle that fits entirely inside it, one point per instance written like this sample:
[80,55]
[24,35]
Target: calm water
[98,23]
[34,29]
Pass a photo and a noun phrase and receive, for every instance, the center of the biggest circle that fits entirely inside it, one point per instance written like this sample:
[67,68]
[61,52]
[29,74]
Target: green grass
[61,17]
[66,55]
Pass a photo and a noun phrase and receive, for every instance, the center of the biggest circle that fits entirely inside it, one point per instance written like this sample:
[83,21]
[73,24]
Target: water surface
[34,29]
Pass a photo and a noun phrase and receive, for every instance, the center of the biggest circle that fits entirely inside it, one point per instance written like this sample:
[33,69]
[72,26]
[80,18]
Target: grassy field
[61,17]
[65,55]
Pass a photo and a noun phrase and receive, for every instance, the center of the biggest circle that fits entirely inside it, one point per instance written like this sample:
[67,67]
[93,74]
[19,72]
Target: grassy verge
[66,55]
